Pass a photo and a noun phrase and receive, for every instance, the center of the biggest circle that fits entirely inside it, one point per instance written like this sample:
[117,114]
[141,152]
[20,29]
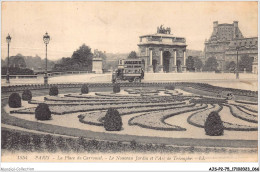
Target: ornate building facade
[227,42]
[163,52]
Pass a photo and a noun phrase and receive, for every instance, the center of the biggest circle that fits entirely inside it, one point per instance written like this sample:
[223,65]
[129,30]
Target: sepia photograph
[129,81]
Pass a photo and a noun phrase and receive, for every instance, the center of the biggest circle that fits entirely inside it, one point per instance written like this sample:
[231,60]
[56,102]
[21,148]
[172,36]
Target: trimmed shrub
[27,95]
[84,89]
[214,125]
[54,91]
[112,120]
[116,88]
[42,112]
[14,100]
[170,87]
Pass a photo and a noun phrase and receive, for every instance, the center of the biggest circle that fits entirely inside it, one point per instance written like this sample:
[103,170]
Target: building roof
[225,24]
[162,43]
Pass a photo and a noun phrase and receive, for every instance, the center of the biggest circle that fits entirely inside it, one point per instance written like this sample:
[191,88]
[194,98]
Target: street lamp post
[237,72]
[8,40]
[46,40]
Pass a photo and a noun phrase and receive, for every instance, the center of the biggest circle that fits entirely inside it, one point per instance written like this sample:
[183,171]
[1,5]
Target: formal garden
[174,117]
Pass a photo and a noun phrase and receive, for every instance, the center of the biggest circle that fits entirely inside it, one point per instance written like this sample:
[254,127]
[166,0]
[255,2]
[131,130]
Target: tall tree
[246,62]
[190,63]
[83,57]
[3,63]
[17,61]
[132,55]
[211,64]
[198,63]
[231,66]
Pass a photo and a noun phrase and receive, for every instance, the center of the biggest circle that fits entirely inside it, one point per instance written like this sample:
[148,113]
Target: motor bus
[128,70]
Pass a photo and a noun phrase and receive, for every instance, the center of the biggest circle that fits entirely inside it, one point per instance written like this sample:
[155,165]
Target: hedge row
[13,140]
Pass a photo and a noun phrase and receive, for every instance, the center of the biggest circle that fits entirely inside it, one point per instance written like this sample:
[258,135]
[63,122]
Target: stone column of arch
[175,61]
[184,61]
[150,66]
[151,57]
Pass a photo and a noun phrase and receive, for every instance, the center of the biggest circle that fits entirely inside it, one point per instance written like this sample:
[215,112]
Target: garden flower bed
[198,119]
[146,112]
[96,118]
[141,91]
[94,102]
[207,100]
[247,111]
[248,107]
[247,102]
[173,92]
[65,109]
[108,97]
[242,115]
[155,120]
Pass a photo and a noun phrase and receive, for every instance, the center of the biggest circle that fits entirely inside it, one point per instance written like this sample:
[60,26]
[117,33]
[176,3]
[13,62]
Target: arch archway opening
[166,61]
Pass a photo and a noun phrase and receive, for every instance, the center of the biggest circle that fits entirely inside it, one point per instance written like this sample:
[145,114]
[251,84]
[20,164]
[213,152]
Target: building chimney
[215,28]
[215,24]
[235,23]
[235,34]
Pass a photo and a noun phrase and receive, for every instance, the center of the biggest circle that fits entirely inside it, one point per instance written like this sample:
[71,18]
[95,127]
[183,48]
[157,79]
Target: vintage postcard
[129,81]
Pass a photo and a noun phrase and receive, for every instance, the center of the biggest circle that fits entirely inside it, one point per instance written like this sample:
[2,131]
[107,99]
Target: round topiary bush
[112,120]
[214,125]
[14,100]
[42,112]
[84,89]
[27,95]
[54,91]
[170,87]
[116,88]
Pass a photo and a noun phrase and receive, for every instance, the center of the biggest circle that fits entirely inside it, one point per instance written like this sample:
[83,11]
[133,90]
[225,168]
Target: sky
[114,27]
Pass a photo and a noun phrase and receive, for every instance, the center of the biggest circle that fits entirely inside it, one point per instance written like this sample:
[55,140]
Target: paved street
[246,81]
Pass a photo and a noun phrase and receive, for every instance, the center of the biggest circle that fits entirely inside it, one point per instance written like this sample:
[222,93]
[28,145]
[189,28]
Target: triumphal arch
[163,52]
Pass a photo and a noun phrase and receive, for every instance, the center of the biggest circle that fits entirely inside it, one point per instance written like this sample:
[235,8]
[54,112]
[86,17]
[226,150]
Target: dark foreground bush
[214,125]
[116,88]
[54,91]
[27,95]
[84,89]
[50,143]
[112,120]
[42,112]
[170,87]
[14,100]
